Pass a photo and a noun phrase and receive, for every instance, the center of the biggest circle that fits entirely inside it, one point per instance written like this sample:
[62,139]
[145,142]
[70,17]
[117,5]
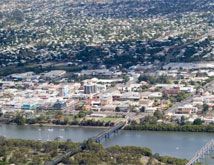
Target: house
[189,89]
[150,109]
[106,99]
[172,91]
[108,108]
[98,115]
[132,96]
[187,109]
[27,106]
[155,95]
[59,105]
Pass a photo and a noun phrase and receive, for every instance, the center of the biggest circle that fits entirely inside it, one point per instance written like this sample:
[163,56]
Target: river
[177,144]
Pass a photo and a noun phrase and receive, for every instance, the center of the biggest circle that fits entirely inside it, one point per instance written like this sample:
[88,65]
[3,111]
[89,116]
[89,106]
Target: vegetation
[94,123]
[82,114]
[171,127]
[151,123]
[97,34]
[58,118]
[198,121]
[154,80]
[96,154]
[177,98]
[34,152]
[22,152]
[205,108]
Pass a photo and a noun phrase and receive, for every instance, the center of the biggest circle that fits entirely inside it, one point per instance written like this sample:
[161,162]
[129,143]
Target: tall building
[90,88]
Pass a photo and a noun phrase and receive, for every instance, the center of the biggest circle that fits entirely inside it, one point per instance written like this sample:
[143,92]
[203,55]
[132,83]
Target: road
[208,87]
[172,109]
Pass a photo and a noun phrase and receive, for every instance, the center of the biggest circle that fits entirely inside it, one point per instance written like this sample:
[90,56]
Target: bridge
[59,158]
[206,149]
[106,134]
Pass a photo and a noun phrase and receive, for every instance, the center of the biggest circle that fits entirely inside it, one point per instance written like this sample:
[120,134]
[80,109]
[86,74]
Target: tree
[93,146]
[2,151]
[198,121]
[205,108]
[181,96]
[149,120]
[1,113]
[117,109]
[142,109]
[19,120]
[126,78]
[66,120]
[82,114]
[158,114]
[182,122]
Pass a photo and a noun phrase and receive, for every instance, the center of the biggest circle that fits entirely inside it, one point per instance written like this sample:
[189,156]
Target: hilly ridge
[106,32]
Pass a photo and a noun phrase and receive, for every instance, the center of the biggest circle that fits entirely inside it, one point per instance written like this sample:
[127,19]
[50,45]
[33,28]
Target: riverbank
[170,127]
[58,126]
[66,126]
[74,123]
[17,151]
[137,127]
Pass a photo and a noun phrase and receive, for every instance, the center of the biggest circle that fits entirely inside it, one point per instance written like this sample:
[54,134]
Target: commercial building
[90,88]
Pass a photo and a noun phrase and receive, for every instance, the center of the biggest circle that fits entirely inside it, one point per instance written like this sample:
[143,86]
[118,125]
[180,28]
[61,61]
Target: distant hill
[105,32]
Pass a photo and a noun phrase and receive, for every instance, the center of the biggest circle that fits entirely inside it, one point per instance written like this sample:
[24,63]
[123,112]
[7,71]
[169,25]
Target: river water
[177,144]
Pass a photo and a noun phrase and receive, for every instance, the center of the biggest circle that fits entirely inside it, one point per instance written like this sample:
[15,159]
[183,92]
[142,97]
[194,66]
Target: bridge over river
[205,150]
[106,134]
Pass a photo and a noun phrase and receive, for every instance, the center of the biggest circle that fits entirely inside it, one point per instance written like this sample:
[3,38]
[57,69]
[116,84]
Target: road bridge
[98,138]
[206,149]
[107,133]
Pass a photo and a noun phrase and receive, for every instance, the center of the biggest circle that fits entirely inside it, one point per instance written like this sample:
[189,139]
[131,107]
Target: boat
[50,129]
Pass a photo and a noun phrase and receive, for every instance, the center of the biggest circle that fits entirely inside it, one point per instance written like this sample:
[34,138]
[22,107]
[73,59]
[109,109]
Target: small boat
[50,129]
[177,148]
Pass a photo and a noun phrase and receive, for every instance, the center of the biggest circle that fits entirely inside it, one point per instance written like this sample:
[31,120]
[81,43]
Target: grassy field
[106,119]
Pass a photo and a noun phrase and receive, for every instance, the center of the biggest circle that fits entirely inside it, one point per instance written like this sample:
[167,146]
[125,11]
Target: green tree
[117,109]
[182,122]
[198,121]
[126,78]
[149,120]
[158,114]
[205,108]
[19,119]
[142,109]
